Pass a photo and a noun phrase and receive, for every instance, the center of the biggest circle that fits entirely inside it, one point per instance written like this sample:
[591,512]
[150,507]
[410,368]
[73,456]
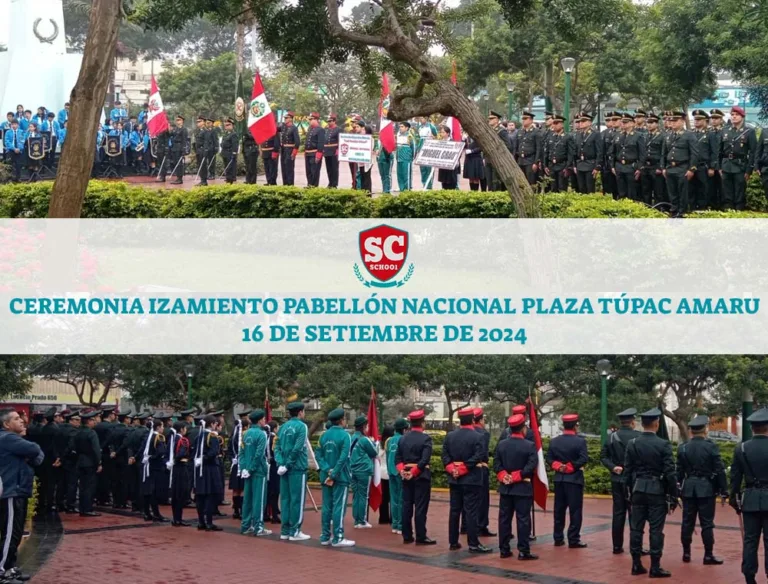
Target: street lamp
[510,89]
[604,369]
[568,63]
[189,369]
[486,97]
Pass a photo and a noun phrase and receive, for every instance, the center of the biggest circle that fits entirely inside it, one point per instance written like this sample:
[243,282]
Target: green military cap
[700,114]
[558,119]
[215,413]
[90,415]
[627,117]
[401,424]
[525,114]
[759,417]
[336,415]
[143,416]
[244,413]
[107,409]
[640,113]
[698,422]
[361,421]
[677,114]
[190,412]
[652,117]
[256,415]
[628,413]
[651,414]
[163,417]
[716,113]
[296,406]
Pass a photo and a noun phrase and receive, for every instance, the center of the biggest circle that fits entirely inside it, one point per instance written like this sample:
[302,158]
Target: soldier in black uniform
[492,180]
[557,158]
[701,473]
[680,158]
[608,136]
[463,450]
[68,487]
[612,457]
[716,118]
[330,152]
[313,150]
[177,149]
[270,152]
[272,506]
[738,148]
[153,455]
[653,187]
[514,463]
[567,455]
[640,121]
[587,156]
[48,440]
[118,455]
[212,146]
[251,158]
[138,437]
[750,466]
[650,474]
[200,139]
[88,463]
[529,149]
[230,145]
[628,151]
[106,476]
[412,461]
[483,523]
[701,185]
[289,148]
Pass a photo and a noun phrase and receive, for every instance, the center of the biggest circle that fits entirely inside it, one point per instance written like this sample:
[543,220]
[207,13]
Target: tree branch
[348,35]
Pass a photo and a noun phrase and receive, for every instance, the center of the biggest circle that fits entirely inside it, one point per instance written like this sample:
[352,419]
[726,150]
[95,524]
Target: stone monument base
[35,80]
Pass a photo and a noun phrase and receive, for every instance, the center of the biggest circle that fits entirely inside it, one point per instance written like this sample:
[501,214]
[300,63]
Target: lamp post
[604,369]
[189,369]
[486,97]
[510,89]
[568,64]
[746,411]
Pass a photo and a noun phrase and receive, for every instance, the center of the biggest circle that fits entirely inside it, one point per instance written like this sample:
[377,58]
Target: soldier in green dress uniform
[680,158]
[738,149]
[404,155]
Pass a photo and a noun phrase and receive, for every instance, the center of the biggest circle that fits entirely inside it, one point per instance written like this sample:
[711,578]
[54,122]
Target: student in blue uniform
[567,455]
[208,484]
[63,114]
[14,147]
[118,113]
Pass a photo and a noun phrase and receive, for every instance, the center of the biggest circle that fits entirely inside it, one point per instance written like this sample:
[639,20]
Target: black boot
[686,554]
[657,571]
[711,560]
[237,503]
[637,566]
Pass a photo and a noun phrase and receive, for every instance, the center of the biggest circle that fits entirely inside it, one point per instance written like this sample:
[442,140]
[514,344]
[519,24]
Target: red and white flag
[453,123]
[375,494]
[157,121]
[386,126]
[540,480]
[261,122]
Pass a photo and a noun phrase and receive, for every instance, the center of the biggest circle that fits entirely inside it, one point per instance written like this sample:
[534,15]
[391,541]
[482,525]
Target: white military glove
[245,474]
[234,461]
[281,470]
[198,462]
[145,460]
[169,465]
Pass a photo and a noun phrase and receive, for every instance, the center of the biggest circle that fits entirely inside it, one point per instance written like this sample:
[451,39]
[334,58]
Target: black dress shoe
[201,527]
[160,180]
[659,573]
[175,524]
[184,524]
[160,519]
[645,552]
[487,533]
[408,540]
[90,514]
[687,556]
[455,546]
[480,549]
[638,569]
[505,555]
[527,556]
[559,543]
[220,514]
[426,541]
[577,546]
[214,528]
[147,518]
[236,515]
[176,182]
[711,560]
[618,550]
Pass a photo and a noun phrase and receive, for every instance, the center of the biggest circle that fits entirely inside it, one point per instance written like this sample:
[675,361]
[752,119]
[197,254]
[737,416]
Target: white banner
[328,286]
[357,148]
[440,154]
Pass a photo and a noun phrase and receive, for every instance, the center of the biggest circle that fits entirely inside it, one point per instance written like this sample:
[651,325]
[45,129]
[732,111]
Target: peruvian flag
[267,408]
[261,122]
[374,496]
[157,121]
[386,127]
[453,123]
[540,481]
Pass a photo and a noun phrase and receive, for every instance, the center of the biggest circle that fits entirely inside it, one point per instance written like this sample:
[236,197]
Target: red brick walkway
[118,549]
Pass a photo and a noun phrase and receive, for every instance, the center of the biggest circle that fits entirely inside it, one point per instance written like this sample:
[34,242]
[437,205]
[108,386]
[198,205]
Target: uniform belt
[412,464]
[183,460]
[266,149]
[310,151]
[651,161]
[331,145]
[736,157]
[627,161]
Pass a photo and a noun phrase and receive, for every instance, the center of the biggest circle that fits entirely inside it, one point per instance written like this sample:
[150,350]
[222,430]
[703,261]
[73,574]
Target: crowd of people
[116,458]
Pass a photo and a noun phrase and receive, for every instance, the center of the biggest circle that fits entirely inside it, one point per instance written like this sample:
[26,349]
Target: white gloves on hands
[281,470]
[245,474]
[169,465]
[145,460]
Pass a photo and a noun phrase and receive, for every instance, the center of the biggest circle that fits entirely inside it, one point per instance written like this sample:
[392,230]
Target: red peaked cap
[516,420]
[417,415]
[519,410]
[466,412]
[571,418]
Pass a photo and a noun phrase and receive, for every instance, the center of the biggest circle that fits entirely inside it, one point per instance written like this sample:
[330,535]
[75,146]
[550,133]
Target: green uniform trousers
[426,180]
[360,484]
[385,171]
[334,509]
[253,504]
[292,492]
[396,501]
[404,173]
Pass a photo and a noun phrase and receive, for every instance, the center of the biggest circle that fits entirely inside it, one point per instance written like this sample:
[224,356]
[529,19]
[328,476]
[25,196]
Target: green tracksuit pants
[360,486]
[334,509]
[292,492]
[396,501]
[426,180]
[253,504]
[404,172]
[385,171]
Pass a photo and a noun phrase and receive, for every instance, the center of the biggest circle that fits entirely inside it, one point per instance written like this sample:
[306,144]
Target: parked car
[722,436]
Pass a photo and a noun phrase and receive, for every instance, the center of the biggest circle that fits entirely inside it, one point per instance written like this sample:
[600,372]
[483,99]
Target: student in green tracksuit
[291,457]
[333,460]
[395,481]
[384,160]
[404,154]
[361,462]
[427,131]
[254,468]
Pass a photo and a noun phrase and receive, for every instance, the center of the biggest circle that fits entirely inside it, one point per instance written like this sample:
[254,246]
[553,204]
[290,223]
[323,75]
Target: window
[133,76]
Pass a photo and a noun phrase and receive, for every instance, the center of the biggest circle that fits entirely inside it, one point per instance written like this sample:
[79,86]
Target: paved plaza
[120,548]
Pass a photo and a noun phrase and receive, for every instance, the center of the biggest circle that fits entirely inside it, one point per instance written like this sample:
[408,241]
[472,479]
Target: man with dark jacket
[117,446]
[567,454]
[514,464]
[68,485]
[88,463]
[49,444]
[463,452]
[17,457]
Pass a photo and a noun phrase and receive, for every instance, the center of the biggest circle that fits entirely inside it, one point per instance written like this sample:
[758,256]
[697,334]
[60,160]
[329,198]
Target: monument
[36,70]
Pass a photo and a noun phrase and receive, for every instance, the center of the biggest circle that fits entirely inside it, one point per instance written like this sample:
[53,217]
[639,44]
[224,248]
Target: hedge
[121,200]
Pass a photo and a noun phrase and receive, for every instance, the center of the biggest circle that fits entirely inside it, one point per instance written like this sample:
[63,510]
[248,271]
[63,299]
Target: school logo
[383,251]
[239,109]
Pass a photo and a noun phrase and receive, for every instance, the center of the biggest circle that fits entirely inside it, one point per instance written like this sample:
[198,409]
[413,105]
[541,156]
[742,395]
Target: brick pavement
[123,549]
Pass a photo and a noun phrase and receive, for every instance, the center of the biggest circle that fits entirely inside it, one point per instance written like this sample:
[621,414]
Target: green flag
[241,108]
[662,432]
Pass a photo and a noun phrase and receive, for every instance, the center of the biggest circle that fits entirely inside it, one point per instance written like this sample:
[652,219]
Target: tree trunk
[240,47]
[549,84]
[87,101]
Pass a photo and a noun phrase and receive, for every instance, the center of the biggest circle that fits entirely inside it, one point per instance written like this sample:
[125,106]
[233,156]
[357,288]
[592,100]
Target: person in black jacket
[137,439]
[463,451]
[118,454]
[103,429]
[181,450]
[701,473]
[208,482]
[567,454]
[272,508]
[650,474]
[412,462]
[88,463]
[485,495]
[330,152]
[153,456]
[313,150]
[514,464]
[230,146]
[289,148]
[49,444]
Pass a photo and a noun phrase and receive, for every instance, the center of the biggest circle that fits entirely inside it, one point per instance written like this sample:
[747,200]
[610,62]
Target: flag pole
[533,507]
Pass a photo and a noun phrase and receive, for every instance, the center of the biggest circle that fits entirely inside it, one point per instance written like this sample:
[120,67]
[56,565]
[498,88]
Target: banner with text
[440,154]
[362,286]
[357,148]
